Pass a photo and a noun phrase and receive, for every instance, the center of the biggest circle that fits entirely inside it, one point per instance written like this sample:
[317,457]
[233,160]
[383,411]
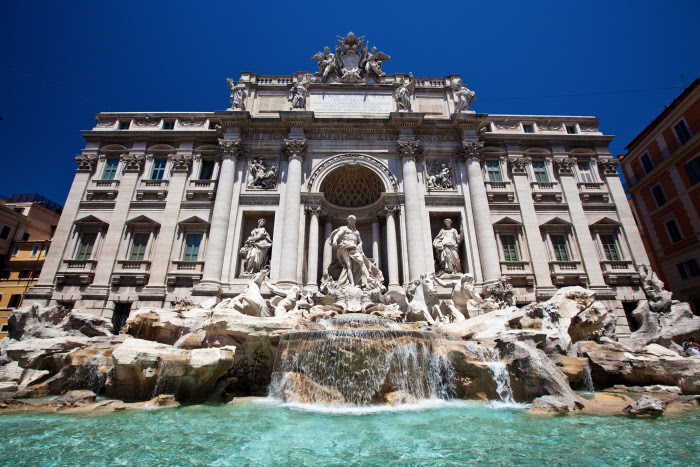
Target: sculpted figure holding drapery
[446,246]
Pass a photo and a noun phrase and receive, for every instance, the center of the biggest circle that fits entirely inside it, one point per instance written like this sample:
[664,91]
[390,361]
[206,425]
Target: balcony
[592,192]
[102,190]
[546,191]
[201,189]
[152,189]
[499,191]
[518,272]
[81,271]
[131,271]
[568,272]
[185,271]
[621,271]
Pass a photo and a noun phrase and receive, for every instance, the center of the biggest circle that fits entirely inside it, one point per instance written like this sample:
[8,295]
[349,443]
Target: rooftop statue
[403,93]
[238,95]
[299,92]
[352,61]
[464,97]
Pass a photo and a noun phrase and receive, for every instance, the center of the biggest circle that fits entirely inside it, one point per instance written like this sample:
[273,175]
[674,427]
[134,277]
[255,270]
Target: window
[25,237]
[168,125]
[5,275]
[692,168]
[540,171]
[86,242]
[139,242]
[571,129]
[688,268]
[561,248]
[110,171]
[5,232]
[5,328]
[612,253]
[36,273]
[510,251]
[212,125]
[673,231]
[158,168]
[206,172]
[124,125]
[659,195]
[25,274]
[46,250]
[15,251]
[682,131]
[529,127]
[493,170]
[584,172]
[192,243]
[646,162]
[15,300]
[35,251]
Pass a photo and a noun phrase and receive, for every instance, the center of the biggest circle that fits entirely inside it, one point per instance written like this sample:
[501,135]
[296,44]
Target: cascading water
[587,382]
[360,360]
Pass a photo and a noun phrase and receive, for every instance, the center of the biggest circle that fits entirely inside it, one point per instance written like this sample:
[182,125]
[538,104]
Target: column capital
[294,148]
[608,166]
[86,163]
[409,149]
[230,148]
[314,210]
[469,150]
[181,162]
[133,162]
[564,165]
[391,210]
[518,164]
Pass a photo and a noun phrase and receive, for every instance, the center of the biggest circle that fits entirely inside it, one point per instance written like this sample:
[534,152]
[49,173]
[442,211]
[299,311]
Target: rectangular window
[5,329]
[139,241]
[529,127]
[111,165]
[674,231]
[85,245]
[36,273]
[46,250]
[659,195]
[5,275]
[158,168]
[15,252]
[610,247]
[35,251]
[510,251]
[540,171]
[688,268]
[124,125]
[571,129]
[646,162]
[192,243]
[168,125]
[561,248]
[692,168]
[25,273]
[584,172]
[15,300]
[5,232]
[206,172]
[493,170]
[682,131]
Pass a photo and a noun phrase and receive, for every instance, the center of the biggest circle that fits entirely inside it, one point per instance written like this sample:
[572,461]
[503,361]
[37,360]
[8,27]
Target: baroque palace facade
[163,204]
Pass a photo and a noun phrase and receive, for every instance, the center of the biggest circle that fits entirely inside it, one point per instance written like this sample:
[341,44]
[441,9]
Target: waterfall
[587,382]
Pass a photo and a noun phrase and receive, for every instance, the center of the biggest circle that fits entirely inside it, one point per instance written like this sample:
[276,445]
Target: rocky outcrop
[673,326]
[593,321]
[145,369]
[34,322]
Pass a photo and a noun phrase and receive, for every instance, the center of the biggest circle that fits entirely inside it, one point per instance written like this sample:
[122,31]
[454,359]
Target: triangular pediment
[142,220]
[90,220]
[606,222]
[557,222]
[508,221]
[194,220]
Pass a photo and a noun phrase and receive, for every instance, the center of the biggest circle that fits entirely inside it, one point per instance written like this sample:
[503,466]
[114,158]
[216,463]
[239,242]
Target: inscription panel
[331,102]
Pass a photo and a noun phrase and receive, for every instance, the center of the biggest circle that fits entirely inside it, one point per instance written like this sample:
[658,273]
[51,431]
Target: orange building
[662,169]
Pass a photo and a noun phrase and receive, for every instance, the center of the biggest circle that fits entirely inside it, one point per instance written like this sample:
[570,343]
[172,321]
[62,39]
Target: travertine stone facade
[163,202]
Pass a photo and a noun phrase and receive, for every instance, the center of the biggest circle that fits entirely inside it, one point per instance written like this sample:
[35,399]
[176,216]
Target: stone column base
[208,289]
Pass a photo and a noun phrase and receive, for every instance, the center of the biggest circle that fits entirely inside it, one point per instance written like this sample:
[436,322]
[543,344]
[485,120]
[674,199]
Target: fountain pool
[268,432]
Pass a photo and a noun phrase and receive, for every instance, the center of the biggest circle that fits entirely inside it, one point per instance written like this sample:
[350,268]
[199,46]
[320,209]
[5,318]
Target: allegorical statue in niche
[260,176]
[464,97]
[255,250]
[299,92]
[357,269]
[446,246]
[238,94]
[403,93]
[327,63]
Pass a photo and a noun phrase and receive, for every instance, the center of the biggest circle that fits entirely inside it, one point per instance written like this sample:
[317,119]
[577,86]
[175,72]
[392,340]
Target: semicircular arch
[362,160]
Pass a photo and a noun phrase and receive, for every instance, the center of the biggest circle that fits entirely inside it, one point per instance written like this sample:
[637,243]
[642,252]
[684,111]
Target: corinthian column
[327,248]
[294,151]
[408,151]
[375,242]
[312,259]
[488,250]
[211,277]
[392,252]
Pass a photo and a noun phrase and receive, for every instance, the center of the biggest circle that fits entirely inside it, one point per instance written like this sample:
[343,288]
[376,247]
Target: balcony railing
[201,187]
[499,189]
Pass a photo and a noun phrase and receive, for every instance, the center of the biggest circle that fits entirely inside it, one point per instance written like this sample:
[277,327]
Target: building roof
[663,114]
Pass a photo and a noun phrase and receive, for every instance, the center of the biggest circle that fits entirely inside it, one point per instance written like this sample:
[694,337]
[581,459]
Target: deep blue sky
[62,62]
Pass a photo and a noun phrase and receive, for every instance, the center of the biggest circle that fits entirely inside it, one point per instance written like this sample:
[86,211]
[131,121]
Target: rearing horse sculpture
[424,304]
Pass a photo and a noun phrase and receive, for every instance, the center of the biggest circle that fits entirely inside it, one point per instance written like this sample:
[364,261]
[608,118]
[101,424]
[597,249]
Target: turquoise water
[264,432]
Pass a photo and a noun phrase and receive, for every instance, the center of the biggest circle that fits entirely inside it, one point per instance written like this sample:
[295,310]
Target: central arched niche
[352,186]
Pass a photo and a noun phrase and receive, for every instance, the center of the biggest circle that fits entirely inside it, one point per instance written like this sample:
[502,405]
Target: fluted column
[409,150]
[327,248]
[312,258]
[488,250]
[214,261]
[375,242]
[392,251]
[294,151]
